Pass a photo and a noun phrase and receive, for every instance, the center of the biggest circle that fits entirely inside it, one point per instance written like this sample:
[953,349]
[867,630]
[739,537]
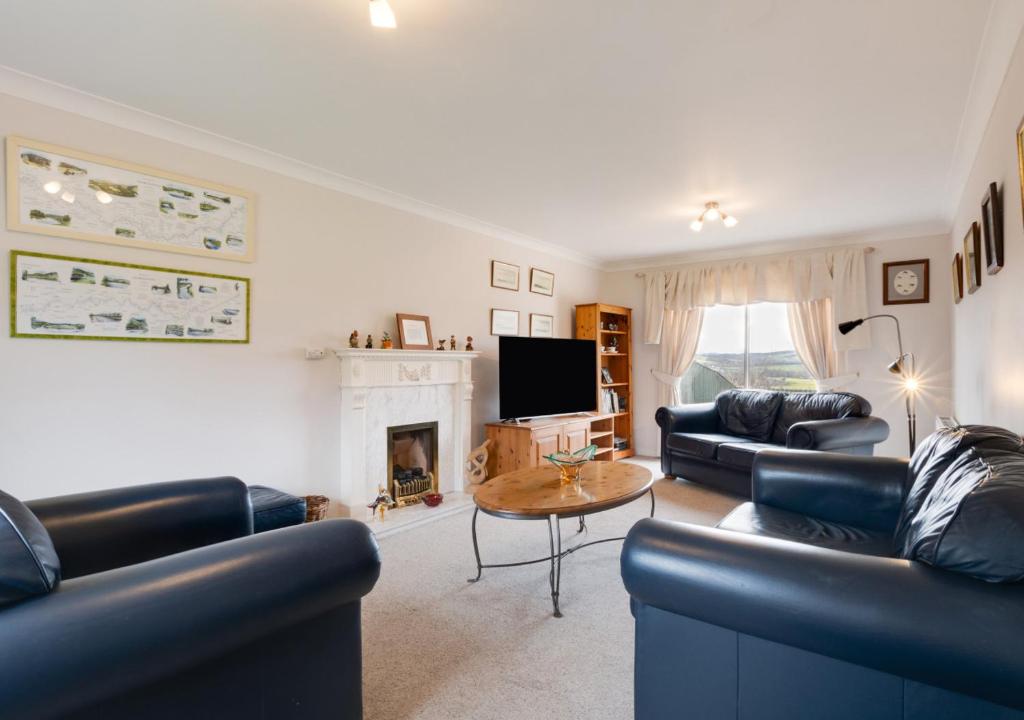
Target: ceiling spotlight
[52,187]
[104,197]
[712,212]
[381,14]
[68,196]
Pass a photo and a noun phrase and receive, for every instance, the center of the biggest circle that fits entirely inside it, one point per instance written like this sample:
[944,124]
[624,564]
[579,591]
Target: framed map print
[58,191]
[80,299]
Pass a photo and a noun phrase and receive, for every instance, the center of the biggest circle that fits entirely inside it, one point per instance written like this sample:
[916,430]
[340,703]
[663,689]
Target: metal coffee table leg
[555,534]
[476,548]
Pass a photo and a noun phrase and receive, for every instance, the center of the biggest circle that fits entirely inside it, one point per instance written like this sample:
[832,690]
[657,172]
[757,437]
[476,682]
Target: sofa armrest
[936,627]
[697,417]
[837,434]
[103,530]
[101,635]
[867,492]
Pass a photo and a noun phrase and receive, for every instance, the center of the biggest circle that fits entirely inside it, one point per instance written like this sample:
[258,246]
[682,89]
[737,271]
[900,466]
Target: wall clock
[905,282]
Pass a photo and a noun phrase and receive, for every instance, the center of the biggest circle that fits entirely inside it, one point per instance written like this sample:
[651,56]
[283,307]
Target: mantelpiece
[385,388]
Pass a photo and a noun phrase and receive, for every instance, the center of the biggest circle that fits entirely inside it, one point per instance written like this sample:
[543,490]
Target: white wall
[925,333]
[79,415]
[988,326]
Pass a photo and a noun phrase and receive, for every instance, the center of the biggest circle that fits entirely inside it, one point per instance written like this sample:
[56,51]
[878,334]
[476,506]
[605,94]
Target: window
[744,346]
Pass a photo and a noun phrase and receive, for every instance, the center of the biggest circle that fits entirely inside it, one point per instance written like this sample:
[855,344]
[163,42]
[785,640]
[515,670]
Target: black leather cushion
[768,521]
[934,456]
[741,454]
[972,521]
[749,413]
[28,562]
[273,509]
[799,407]
[703,445]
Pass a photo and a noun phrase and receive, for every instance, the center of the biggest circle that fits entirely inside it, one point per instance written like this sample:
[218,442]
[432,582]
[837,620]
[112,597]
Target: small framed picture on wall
[972,258]
[504,276]
[992,228]
[504,322]
[905,282]
[958,279]
[542,326]
[542,282]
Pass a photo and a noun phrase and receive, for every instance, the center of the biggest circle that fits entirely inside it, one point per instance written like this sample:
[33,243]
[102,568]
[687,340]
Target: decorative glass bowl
[571,464]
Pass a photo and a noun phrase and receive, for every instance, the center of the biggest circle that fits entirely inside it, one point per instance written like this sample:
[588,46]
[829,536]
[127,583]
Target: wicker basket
[316,507]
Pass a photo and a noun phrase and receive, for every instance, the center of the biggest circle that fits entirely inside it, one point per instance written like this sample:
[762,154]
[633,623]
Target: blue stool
[273,509]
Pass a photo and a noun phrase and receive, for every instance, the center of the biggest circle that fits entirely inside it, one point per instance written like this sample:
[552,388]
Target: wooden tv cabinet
[523,445]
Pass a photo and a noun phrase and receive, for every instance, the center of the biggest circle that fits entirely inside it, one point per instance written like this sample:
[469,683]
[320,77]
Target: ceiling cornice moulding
[1003,30]
[62,97]
[938,230]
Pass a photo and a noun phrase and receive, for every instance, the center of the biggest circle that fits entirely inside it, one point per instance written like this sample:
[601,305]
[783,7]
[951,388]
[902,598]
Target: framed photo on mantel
[414,332]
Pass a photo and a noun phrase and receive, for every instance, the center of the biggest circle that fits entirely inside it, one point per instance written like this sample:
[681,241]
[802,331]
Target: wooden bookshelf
[592,323]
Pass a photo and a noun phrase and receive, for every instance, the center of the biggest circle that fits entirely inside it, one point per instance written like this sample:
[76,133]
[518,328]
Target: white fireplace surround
[384,388]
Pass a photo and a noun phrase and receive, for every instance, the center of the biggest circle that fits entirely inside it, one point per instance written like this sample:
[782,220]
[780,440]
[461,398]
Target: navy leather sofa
[157,601]
[851,587]
[715,443]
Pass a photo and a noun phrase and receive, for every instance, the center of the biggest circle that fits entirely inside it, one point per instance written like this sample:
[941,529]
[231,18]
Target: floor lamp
[902,366]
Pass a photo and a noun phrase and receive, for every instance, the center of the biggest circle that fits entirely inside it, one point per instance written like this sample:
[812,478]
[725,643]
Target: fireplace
[412,462]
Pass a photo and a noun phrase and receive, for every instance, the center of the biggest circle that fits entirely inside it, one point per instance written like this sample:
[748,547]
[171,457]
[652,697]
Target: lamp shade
[846,327]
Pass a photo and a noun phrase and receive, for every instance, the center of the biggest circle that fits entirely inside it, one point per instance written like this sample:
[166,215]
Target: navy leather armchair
[169,607]
[851,587]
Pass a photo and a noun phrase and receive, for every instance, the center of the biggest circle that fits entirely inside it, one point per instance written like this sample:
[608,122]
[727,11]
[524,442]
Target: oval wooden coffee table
[539,494]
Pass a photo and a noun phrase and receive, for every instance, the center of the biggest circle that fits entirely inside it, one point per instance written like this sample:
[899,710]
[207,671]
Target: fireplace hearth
[412,462]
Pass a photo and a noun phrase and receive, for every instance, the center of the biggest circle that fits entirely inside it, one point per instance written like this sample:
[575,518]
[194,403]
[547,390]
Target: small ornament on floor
[382,502]
[353,339]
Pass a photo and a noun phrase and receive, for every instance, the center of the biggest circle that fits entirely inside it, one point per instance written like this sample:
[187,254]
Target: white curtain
[849,296]
[680,333]
[836,274]
[812,328]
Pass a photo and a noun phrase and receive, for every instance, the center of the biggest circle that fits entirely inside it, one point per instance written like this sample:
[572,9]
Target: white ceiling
[600,126]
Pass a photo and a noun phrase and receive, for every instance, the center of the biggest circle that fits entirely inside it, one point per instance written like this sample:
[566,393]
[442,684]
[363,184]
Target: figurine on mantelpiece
[369,342]
[382,502]
[353,339]
[385,342]
[440,344]
[469,343]
[451,343]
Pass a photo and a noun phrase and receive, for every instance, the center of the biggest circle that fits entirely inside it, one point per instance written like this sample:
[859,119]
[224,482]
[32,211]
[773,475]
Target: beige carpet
[438,648]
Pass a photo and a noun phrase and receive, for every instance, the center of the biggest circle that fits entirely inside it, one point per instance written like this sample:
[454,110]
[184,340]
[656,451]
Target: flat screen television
[546,376]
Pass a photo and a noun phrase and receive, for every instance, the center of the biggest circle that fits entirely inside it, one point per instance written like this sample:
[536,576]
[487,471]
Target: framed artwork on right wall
[1020,158]
[972,258]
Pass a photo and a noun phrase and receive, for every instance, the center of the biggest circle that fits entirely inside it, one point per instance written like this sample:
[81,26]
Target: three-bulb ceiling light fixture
[712,212]
[381,14]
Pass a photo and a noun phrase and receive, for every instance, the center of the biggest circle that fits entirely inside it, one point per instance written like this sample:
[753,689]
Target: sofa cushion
[749,413]
[703,445]
[935,455]
[741,454]
[768,521]
[28,562]
[800,407]
[972,521]
[273,509]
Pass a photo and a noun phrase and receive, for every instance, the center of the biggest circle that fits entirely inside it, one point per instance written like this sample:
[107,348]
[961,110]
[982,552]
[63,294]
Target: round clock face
[905,282]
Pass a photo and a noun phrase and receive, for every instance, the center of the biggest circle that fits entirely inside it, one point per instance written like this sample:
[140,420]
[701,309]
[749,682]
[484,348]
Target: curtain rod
[867,251]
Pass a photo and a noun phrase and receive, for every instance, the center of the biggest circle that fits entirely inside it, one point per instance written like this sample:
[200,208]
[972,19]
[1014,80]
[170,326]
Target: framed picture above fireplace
[414,332]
